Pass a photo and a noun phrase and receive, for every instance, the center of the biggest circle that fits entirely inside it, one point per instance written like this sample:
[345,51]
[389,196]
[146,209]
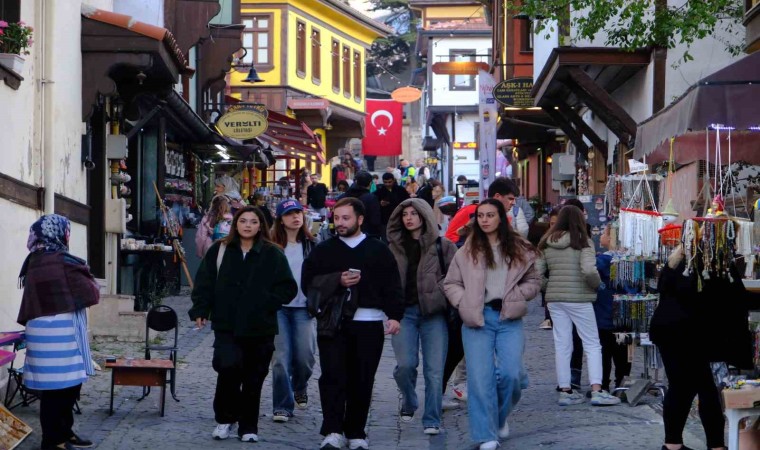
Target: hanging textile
[639,231]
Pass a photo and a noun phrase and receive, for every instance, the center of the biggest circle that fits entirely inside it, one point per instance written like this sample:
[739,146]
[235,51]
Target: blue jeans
[433,334]
[495,373]
[293,360]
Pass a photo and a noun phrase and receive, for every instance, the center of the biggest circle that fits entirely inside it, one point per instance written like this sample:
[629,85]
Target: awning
[575,78]
[728,97]
[291,137]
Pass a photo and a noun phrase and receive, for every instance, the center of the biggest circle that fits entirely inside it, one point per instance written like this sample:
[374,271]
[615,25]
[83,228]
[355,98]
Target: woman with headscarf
[227,185]
[58,287]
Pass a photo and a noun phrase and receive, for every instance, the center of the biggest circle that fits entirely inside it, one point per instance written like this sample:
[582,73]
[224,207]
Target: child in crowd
[223,221]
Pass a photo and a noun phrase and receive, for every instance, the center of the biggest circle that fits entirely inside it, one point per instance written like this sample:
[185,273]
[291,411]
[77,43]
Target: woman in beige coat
[490,280]
[568,255]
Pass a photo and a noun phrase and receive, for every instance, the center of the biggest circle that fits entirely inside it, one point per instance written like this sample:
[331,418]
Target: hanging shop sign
[243,122]
[406,94]
[308,103]
[465,145]
[637,166]
[459,68]
[515,92]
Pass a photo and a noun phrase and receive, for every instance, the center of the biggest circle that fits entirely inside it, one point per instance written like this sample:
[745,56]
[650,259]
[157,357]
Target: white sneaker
[546,325]
[504,431]
[222,431]
[333,441]
[432,430]
[603,398]
[460,392]
[571,398]
[354,444]
[249,437]
[490,445]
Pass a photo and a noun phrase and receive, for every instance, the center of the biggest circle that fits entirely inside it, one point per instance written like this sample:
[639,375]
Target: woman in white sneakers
[568,254]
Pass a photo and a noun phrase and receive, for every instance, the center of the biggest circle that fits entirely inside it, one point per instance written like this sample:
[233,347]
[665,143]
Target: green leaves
[632,24]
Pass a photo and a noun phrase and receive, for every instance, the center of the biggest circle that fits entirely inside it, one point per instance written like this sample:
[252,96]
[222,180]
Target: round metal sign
[242,124]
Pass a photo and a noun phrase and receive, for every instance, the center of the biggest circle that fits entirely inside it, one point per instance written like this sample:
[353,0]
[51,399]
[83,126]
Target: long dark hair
[511,244]
[571,221]
[262,235]
[280,234]
[220,205]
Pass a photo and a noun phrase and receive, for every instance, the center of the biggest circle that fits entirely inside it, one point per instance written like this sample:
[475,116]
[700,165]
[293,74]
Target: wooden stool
[140,372]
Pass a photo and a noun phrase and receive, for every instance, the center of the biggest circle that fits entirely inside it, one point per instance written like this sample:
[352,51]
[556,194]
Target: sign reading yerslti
[636,166]
[515,92]
[243,122]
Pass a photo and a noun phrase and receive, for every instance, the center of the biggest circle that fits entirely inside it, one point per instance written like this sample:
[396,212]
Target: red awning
[294,138]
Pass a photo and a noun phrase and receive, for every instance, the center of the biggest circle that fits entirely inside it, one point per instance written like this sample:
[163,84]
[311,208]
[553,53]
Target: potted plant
[15,40]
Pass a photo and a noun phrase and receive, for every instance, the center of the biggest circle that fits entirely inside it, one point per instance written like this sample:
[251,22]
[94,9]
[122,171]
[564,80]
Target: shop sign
[637,166]
[465,145]
[243,122]
[515,92]
[406,94]
[459,68]
[308,103]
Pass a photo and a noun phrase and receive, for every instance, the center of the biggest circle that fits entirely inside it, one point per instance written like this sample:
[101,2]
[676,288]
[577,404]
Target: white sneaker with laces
[432,430]
[333,441]
[490,445]
[354,444]
[249,437]
[504,431]
[570,398]
[222,431]
[603,398]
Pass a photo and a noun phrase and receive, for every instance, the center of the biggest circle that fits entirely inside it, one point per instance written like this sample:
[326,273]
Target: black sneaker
[62,446]
[80,442]
[302,400]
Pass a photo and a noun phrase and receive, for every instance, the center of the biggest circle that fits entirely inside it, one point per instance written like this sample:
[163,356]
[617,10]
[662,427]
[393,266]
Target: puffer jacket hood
[396,229]
[559,244]
[430,296]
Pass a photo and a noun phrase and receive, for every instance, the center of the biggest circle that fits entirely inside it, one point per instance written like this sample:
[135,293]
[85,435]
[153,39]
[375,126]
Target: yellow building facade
[312,57]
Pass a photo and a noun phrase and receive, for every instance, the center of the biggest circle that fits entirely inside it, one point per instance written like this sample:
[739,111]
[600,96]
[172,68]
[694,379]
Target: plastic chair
[162,319]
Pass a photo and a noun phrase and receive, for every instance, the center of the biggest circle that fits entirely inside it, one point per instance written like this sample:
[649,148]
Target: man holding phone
[349,360]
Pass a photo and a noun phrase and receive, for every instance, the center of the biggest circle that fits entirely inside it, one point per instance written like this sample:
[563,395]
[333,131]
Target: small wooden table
[140,372]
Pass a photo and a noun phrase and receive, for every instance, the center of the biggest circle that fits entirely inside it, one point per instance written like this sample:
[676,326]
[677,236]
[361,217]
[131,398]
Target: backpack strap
[439,249]
[220,257]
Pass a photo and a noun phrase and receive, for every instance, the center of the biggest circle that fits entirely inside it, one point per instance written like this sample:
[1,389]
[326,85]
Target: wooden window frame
[316,55]
[452,78]
[346,61]
[253,51]
[357,76]
[335,55]
[301,48]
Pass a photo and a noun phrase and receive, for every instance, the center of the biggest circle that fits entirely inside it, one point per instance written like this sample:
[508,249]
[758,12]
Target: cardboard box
[747,397]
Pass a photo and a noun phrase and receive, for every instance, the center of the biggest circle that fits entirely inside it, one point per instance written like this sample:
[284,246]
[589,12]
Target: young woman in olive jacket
[413,239]
[241,292]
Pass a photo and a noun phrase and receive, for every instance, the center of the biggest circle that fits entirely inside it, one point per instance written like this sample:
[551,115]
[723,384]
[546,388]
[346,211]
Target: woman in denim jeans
[413,239]
[490,281]
[295,345]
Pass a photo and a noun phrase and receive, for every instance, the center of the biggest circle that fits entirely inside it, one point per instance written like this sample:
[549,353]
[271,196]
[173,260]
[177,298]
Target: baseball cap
[286,206]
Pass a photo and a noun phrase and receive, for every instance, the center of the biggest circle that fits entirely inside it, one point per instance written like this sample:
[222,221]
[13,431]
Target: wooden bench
[140,372]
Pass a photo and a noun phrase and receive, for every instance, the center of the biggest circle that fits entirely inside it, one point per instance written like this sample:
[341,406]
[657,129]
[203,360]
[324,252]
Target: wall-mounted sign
[465,145]
[243,122]
[308,103]
[637,166]
[406,94]
[515,92]
[459,68]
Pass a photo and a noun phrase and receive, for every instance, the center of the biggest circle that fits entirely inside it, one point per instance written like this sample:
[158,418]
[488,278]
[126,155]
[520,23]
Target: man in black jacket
[372,225]
[349,359]
[390,196]
[316,194]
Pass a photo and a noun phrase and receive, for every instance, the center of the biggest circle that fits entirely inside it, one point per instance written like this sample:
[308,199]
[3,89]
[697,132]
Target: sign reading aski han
[514,93]
[243,121]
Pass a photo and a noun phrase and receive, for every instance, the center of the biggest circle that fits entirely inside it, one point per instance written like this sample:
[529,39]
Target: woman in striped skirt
[58,287]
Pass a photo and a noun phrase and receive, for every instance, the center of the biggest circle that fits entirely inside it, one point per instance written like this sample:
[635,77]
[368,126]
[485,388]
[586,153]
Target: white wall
[439,84]
[148,11]
[543,43]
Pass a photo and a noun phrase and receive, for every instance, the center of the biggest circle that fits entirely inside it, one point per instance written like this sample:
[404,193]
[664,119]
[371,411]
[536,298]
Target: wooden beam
[575,137]
[602,103]
[21,193]
[598,143]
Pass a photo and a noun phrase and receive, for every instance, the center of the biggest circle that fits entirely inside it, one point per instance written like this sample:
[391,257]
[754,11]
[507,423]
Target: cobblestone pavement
[536,423]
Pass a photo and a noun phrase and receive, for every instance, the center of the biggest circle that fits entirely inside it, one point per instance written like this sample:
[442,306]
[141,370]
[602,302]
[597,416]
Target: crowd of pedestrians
[452,301]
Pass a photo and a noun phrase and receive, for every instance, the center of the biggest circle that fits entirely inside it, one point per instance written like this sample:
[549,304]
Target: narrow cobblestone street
[537,422]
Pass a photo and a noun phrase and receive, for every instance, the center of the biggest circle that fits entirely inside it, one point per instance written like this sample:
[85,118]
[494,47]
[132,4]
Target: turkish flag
[383,128]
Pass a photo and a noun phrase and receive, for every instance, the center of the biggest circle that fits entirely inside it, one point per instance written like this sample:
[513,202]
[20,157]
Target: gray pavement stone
[536,423]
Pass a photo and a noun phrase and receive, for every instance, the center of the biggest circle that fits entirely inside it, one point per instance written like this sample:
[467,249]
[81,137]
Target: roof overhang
[575,78]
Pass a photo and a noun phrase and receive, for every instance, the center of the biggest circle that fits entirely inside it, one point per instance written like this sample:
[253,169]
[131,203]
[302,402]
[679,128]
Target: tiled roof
[145,29]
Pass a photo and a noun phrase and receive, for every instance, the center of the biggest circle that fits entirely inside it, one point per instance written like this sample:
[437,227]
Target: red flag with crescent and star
[382,131]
